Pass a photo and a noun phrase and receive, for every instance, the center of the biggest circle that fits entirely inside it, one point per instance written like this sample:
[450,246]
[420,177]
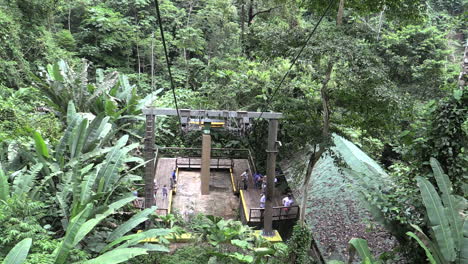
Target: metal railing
[140,204]
[279,213]
[195,162]
[231,153]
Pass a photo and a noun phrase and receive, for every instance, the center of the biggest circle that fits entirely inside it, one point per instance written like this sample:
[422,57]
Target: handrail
[279,213]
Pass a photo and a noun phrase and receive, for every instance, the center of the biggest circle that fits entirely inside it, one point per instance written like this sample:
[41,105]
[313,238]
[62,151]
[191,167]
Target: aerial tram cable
[156,4]
[270,98]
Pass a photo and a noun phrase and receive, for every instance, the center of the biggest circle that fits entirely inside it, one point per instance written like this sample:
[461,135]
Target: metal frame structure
[243,117]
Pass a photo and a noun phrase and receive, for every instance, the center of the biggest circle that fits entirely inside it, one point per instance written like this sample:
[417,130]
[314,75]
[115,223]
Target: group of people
[287,201]
[165,190]
[260,182]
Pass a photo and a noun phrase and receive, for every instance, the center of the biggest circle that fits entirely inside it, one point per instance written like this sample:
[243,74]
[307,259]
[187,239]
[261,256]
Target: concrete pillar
[205,164]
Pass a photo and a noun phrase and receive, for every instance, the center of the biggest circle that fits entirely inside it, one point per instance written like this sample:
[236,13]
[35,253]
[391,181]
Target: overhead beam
[211,113]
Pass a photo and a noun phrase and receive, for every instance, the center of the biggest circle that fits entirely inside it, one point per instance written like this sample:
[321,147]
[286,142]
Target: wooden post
[149,156]
[271,166]
[205,164]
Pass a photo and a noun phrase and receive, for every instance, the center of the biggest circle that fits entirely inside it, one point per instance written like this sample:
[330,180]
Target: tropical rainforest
[387,75]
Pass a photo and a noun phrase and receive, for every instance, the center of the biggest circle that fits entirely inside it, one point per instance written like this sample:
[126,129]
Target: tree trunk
[242,21]
[339,17]
[314,157]
[251,14]
[152,62]
[325,102]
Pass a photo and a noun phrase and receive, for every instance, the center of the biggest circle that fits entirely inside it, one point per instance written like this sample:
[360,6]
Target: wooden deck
[163,177]
[250,198]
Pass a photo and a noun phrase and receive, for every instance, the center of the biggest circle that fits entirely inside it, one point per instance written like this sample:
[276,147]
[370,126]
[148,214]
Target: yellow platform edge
[273,239]
[232,181]
[244,205]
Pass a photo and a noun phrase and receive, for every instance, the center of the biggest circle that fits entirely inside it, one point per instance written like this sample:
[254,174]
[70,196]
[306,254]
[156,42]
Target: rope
[167,59]
[270,98]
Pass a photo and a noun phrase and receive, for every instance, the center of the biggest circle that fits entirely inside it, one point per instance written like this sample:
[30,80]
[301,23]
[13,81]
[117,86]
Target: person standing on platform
[257,179]
[262,200]
[171,180]
[174,175]
[287,202]
[164,192]
[244,177]
[264,183]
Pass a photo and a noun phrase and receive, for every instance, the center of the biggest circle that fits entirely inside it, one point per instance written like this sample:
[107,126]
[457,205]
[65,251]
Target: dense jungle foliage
[75,76]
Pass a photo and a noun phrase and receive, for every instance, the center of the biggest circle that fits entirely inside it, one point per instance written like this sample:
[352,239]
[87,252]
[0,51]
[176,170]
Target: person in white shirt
[244,178]
[287,202]
[262,200]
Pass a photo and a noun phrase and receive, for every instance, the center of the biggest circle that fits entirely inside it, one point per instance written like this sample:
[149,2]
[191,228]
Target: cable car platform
[227,197]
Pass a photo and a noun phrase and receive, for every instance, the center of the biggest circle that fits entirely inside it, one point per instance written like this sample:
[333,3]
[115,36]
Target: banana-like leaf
[87,187]
[4,185]
[464,244]
[109,171]
[430,258]
[360,246]
[72,230]
[64,141]
[71,112]
[90,224]
[450,201]
[78,139]
[134,239]
[438,257]
[41,147]
[117,256]
[131,223]
[19,252]
[97,130]
[438,220]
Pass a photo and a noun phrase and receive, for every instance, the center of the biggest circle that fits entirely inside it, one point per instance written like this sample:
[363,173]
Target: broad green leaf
[438,219]
[41,147]
[4,185]
[94,132]
[64,141]
[131,223]
[87,186]
[117,256]
[439,259]
[90,224]
[19,252]
[464,244]
[134,239]
[450,202]
[71,112]
[72,229]
[360,245]
[240,243]
[430,258]
[78,139]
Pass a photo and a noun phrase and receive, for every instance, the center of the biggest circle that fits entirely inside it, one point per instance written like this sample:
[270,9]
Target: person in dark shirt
[174,176]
